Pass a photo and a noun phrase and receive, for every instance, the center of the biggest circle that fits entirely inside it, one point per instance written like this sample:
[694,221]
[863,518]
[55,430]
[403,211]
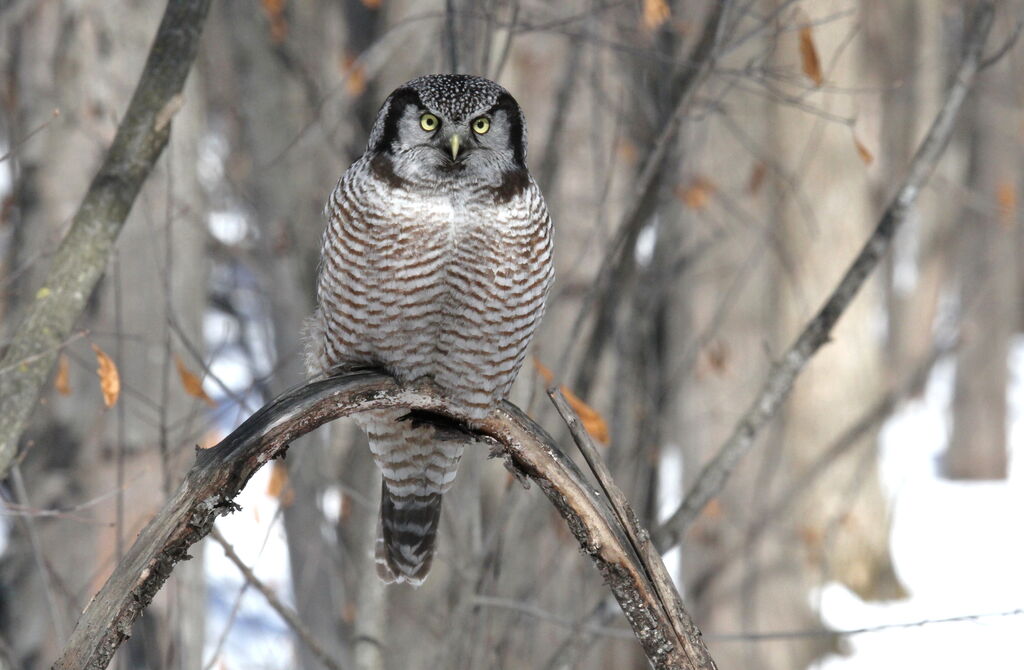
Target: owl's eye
[429,122]
[481,125]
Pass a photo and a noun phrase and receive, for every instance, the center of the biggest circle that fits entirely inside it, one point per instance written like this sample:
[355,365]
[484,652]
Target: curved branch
[668,637]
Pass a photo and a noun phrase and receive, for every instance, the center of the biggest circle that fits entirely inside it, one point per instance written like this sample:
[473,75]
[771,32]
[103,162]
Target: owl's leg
[418,466]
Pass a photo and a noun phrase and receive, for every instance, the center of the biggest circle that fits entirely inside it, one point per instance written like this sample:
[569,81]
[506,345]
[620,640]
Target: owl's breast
[434,284]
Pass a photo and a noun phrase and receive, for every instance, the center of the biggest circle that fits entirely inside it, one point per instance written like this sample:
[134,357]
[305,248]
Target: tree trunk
[84,60]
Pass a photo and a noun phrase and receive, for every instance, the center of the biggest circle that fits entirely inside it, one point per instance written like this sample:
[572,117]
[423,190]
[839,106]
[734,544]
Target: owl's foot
[447,427]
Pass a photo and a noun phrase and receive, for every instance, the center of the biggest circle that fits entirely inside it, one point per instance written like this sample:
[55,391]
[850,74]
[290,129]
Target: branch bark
[777,387]
[81,259]
[221,472]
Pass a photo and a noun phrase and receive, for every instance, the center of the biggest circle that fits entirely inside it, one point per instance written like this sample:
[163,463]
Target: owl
[436,263]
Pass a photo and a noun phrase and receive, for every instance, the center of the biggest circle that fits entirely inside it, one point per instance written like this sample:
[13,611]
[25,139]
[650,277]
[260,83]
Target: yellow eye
[429,122]
[481,125]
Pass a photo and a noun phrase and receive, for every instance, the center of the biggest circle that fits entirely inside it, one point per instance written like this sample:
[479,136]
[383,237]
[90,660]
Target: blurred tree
[83,60]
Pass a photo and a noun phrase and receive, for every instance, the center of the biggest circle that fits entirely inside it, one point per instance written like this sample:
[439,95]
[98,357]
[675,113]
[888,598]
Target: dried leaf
[591,419]
[274,10]
[355,76]
[718,357]
[757,175]
[60,382]
[544,371]
[279,487]
[697,194]
[626,151]
[191,383]
[110,380]
[210,438]
[1006,197]
[809,56]
[656,12]
[866,156]
[713,510]
[371,4]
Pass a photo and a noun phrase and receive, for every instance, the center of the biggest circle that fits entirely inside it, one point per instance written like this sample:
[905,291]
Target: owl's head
[450,125]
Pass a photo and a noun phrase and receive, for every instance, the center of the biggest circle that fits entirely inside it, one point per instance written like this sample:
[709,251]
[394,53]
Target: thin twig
[825,632]
[39,556]
[286,613]
[617,264]
[668,596]
[777,387]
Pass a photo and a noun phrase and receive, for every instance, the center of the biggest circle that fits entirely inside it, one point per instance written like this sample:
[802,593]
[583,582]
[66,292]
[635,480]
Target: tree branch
[221,472]
[82,256]
[289,615]
[777,387]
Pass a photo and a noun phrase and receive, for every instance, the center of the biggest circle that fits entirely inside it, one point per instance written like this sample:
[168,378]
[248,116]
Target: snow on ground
[958,546]
[257,637]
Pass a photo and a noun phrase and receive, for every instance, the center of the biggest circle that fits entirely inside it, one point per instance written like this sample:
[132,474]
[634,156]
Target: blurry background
[882,495]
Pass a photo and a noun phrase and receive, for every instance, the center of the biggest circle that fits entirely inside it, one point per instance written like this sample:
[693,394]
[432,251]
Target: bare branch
[617,264]
[817,332]
[82,256]
[220,473]
[686,631]
[285,612]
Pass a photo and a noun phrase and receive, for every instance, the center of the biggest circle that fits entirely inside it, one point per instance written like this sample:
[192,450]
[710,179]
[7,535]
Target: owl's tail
[405,536]
[418,466]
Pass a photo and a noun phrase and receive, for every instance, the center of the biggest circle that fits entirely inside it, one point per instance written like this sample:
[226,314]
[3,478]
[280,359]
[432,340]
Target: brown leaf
[544,371]
[757,175]
[60,382]
[1006,197]
[718,357]
[110,380]
[655,13]
[697,194]
[809,56]
[626,151]
[191,383]
[713,510]
[866,156]
[591,419]
[355,76]
[274,10]
[279,487]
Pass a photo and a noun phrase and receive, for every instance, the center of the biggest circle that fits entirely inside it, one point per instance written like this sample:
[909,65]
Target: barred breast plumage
[436,264]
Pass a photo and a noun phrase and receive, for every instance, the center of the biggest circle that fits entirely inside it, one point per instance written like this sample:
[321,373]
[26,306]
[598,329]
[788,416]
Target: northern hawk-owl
[436,263]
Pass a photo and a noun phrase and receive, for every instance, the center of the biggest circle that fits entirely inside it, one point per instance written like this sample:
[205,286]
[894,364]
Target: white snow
[957,547]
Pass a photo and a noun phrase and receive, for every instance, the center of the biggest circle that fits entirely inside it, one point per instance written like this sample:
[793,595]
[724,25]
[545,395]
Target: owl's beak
[455,146]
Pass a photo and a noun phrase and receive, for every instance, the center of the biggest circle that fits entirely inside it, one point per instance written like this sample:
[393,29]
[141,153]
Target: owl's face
[442,129]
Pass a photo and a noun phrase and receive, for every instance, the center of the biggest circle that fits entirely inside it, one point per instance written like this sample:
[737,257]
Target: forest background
[712,168]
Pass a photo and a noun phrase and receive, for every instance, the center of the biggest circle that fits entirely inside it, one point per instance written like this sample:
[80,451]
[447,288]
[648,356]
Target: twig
[618,261]
[39,556]
[285,612]
[776,389]
[220,473]
[825,632]
[776,510]
[82,256]
[687,633]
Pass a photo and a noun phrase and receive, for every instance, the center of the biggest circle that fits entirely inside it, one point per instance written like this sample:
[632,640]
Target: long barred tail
[405,536]
[418,466]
